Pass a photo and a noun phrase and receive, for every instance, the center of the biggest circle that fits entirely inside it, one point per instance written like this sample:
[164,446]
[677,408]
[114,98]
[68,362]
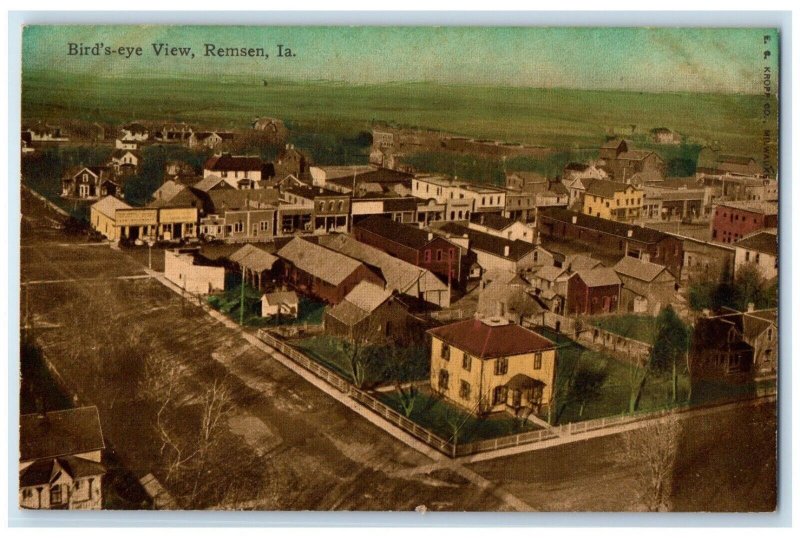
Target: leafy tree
[670,346]
[586,385]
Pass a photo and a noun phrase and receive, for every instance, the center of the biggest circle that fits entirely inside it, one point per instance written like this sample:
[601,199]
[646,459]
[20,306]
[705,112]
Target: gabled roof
[210,182]
[281,297]
[325,264]
[168,190]
[753,206]
[108,206]
[611,227]
[403,234]
[760,242]
[234,163]
[638,269]
[43,471]
[491,244]
[253,258]
[601,276]
[636,155]
[310,193]
[614,143]
[492,220]
[606,188]
[119,153]
[580,262]
[550,272]
[60,433]
[485,341]
[399,274]
[368,296]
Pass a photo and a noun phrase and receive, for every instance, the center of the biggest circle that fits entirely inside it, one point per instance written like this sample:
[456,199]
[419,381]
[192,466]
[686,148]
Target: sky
[634,59]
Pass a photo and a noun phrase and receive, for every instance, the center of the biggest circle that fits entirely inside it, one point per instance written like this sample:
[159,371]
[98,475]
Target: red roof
[489,341]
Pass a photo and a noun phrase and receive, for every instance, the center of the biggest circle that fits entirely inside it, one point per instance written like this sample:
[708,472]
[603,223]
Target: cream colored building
[103,216]
[489,365]
[613,200]
[185,270]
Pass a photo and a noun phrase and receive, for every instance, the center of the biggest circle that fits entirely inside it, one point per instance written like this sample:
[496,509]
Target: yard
[614,382]
[636,326]
[229,302]
[450,422]
[334,353]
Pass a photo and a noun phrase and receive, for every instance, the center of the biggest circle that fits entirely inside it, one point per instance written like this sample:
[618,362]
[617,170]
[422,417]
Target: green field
[315,111]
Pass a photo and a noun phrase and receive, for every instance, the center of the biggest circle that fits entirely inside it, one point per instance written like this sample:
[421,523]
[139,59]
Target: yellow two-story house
[613,200]
[488,365]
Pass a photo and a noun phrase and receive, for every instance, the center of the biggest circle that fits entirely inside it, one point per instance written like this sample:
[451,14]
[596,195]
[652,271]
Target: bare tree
[652,452]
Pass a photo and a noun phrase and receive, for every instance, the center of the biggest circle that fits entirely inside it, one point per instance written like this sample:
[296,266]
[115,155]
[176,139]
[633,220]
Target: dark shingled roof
[487,341]
[403,234]
[491,220]
[490,243]
[611,227]
[41,471]
[304,191]
[60,433]
[760,242]
[236,163]
[606,189]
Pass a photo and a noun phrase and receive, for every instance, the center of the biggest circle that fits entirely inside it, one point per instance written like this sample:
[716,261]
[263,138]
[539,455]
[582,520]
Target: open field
[314,111]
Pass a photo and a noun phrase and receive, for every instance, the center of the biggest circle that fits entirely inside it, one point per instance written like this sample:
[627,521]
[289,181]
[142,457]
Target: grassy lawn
[637,326]
[619,377]
[614,392]
[438,415]
[332,353]
[229,302]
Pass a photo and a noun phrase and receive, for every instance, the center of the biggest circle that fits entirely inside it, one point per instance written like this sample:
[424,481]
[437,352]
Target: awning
[521,381]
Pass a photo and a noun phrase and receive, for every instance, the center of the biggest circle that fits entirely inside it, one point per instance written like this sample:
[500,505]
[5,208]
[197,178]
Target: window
[466,361]
[451,253]
[537,361]
[758,257]
[500,395]
[427,255]
[445,353]
[55,494]
[322,206]
[501,366]
[438,255]
[747,256]
[464,390]
[238,227]
[27,493]
[264,226]
[444,379]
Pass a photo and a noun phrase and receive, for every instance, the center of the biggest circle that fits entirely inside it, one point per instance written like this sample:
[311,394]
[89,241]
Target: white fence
[465,449]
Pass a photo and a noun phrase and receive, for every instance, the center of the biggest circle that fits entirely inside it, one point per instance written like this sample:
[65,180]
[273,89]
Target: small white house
[186,271]
[283,303]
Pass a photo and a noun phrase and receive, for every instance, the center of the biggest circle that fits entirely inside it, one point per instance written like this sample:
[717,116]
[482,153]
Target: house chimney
[506,251]
[430,236]
[574,219]
[630,232]
[751,307]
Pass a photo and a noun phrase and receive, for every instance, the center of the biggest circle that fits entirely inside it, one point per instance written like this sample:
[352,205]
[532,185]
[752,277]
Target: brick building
[612,238]
[414,245]
[732,221]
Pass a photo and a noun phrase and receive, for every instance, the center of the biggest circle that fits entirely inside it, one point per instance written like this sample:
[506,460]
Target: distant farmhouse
[91,182]
[628,165]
